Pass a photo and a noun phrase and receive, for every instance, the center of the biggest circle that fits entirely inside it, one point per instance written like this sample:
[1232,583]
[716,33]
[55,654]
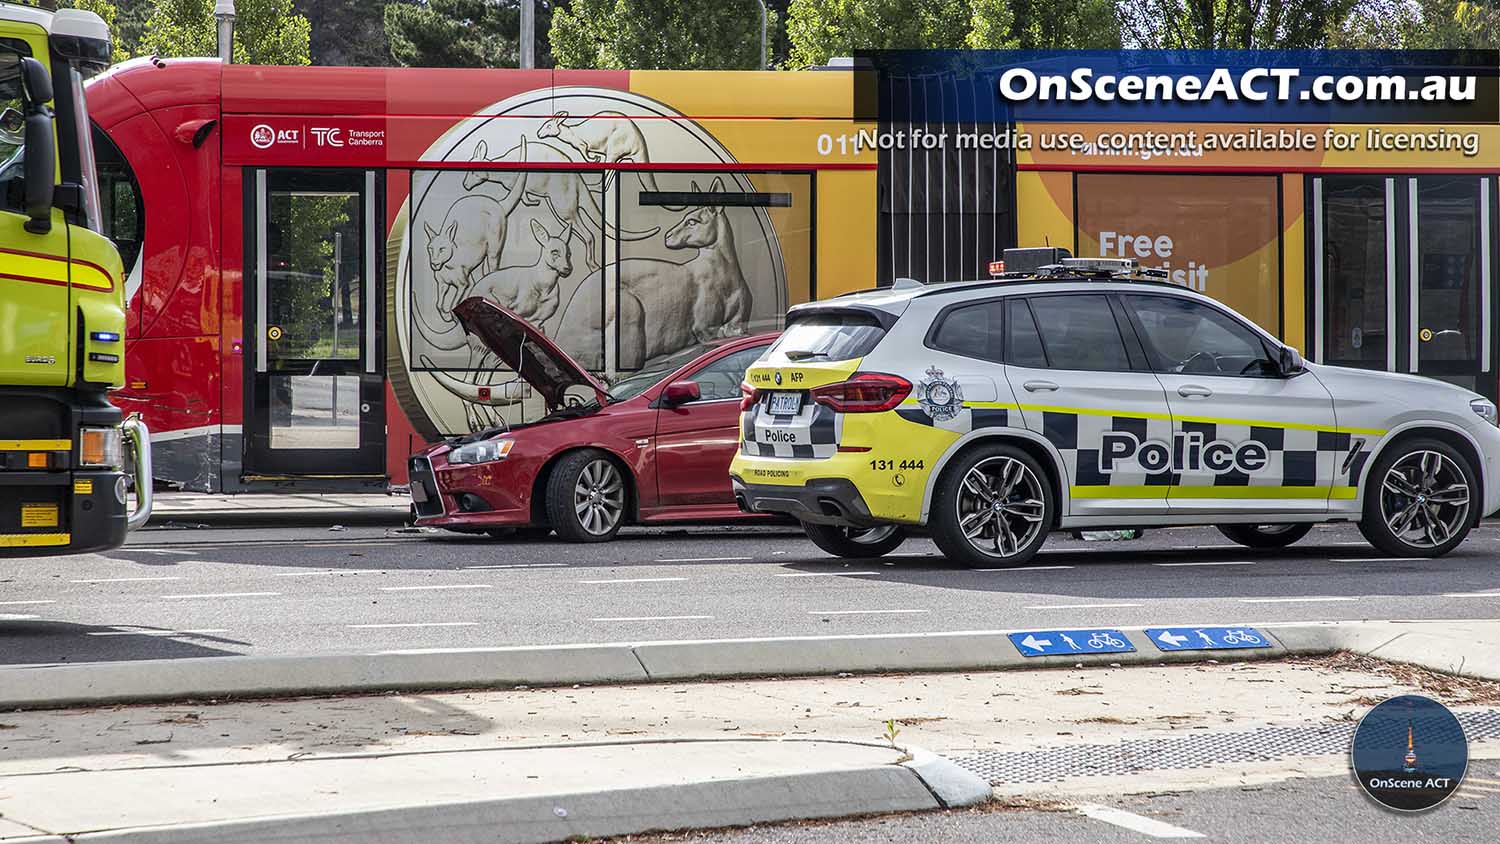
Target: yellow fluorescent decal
[36,445]
[34,540]
[38,515]
[1215,492]
[83,487]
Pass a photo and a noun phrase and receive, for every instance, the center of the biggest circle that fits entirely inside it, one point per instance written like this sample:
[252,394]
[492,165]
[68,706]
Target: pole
[762,34]
[528,34]
[224,16]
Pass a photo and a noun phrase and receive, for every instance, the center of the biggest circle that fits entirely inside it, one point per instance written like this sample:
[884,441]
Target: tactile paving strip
[1194,750]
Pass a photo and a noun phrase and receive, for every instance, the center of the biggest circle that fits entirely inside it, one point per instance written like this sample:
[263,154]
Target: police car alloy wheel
[586,497]
[1419,499]
[993,506]
[856,542]
[1266,536]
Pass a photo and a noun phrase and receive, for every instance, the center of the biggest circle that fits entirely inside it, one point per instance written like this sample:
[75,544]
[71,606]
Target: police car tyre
[1419,499]
[1266,536]
[586,497]
[856,542]
[993,506]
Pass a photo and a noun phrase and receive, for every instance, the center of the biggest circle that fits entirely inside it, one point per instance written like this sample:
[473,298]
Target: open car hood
[524,348]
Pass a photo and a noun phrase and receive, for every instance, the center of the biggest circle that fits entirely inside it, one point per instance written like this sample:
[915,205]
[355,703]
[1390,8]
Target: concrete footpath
[173,509]
[549,764]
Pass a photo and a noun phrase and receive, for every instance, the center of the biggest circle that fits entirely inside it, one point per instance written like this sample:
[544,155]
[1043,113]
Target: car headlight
[481,452]
[100,448]
[1486,410]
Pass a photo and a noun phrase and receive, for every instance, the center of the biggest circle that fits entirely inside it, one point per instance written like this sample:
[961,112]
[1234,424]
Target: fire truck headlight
[100,448]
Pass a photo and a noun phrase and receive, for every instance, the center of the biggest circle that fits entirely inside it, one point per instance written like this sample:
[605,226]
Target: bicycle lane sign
[1070,642]
[1207,638]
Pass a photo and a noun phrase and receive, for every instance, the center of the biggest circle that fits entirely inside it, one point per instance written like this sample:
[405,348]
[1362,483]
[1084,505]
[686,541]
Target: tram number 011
[893,465]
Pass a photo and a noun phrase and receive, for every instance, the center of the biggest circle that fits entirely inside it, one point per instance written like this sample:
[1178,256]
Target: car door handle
[1040,386]
[1193,391]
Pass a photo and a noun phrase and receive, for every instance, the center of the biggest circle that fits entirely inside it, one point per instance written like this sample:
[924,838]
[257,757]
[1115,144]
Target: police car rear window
[828,336]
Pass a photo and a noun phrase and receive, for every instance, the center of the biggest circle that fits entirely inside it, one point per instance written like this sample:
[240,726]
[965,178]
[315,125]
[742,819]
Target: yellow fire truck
[63,446]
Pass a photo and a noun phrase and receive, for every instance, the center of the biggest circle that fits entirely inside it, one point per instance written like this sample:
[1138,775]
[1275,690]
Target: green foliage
[681,34]
[104,9]
[463,33]
[1050,25]
[307,225]
[1232,24]
[346,32]
[1422,25]
[265,31]
[821,29]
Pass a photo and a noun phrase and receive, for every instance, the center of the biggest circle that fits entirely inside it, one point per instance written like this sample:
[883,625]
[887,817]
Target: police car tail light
[748,395]
[865,392]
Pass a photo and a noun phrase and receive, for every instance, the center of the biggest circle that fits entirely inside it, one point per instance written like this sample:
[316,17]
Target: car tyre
[1420,496]
[1266,536]
[856,542]
[588,496]
[992,507]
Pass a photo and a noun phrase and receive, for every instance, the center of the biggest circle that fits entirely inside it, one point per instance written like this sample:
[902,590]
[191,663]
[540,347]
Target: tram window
[120,197]
[1354,270]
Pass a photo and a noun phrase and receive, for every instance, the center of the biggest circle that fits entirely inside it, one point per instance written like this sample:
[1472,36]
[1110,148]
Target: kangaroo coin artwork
[619,267]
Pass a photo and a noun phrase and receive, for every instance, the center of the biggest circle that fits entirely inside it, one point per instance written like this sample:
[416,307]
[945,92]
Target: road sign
[1206,638]
[1070,642]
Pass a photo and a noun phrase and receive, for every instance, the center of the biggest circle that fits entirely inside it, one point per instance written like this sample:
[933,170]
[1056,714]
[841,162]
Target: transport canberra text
[1259,84]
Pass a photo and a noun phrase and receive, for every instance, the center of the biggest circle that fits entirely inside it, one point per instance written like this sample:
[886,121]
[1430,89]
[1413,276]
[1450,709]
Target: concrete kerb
[48,686]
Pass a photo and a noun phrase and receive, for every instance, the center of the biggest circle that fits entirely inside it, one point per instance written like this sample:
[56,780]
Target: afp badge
[940,398]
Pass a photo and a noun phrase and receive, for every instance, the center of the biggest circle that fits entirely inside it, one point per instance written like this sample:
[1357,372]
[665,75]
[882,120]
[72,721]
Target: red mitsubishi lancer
[653,447]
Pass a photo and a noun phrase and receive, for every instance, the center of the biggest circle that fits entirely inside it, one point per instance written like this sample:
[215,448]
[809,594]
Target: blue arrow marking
[1206,638]
[1069,642]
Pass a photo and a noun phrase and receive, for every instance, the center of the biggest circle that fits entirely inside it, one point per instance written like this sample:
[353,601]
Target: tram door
[1404,275]
[314,370]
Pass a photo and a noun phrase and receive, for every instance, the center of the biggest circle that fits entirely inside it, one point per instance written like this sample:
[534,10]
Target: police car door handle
[1040,386]
[1193,391]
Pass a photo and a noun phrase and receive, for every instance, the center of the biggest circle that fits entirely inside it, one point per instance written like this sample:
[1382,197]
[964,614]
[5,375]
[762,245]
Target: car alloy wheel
[599,497]
[1424,499]
[1000,505]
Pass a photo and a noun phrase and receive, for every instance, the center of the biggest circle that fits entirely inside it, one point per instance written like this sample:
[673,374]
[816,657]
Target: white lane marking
[1307,600]
[413,624]
[1482,781]
[15,617]
[637,580]
[326,571]
[830,574]
[868,612]
[159,551]
[227,595]
[159,632]
[24,603]
[657,618]
[704,559]
[1209,563]
[125,580]
[1080,606]
[436,586]
[1471,594]
[1027,568]
[1134,822]
[1380,560]
[518,566]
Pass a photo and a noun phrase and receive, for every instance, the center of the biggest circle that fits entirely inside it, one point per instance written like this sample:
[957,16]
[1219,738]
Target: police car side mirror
[1290,362]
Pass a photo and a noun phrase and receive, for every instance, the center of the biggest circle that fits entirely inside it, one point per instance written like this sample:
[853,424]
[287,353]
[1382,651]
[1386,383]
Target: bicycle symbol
[1240,637]
[1104,640]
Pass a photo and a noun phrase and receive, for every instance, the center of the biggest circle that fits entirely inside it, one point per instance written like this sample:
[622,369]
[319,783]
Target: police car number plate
[783,404]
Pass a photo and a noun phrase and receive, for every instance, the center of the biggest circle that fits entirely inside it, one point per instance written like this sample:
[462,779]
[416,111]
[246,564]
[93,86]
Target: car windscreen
[827,336]
[633,384]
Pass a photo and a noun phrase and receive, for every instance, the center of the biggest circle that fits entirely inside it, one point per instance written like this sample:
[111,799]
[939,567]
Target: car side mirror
[681,392]
[1290,362]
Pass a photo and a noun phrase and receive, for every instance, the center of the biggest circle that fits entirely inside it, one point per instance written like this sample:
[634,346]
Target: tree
[821,29]
[346,32]
[1423,25]
[1049,25]
[463,33]
[265,31]
[120,51]
[679,34]
[1232,24]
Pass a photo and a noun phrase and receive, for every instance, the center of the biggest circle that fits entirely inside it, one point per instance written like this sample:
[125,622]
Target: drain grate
[1195,750]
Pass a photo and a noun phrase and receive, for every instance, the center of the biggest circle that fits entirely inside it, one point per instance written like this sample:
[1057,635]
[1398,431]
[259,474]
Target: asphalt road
[281,591]
[1329,809]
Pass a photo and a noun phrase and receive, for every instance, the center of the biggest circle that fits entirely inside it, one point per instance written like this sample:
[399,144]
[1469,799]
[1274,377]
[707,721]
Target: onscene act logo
[1410,753]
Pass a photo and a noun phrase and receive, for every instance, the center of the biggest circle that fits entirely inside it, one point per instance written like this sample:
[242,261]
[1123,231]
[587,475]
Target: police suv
[1085,394]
